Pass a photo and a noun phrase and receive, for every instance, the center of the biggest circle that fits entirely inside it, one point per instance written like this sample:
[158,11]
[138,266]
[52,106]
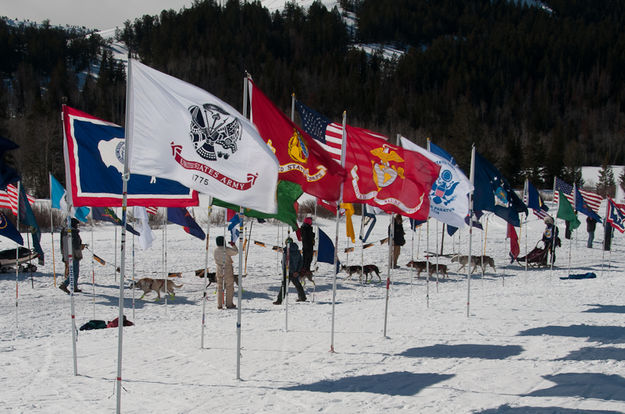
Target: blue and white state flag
[94,163]
[449,196]
[183,133]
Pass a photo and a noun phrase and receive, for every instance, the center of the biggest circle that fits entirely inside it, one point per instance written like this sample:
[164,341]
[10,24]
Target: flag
[183,133]
[147,236]
[449,195]
[233,228]
[181,216]
[301,158]
[8,199]
[8,230]
[387,176]
[349,225]
[288,193]
[493,193]
[7,174]
[370,219]
[152,210]
[58,200]
[585,200]
[27,218]
[535,202]
[565,212]
[514,242]
[107,214]
[615,216]
[325,252]
[329,134]
[94,158]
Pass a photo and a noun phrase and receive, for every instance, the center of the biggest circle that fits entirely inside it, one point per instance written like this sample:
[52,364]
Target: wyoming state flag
[387,176]
[301,158]
[94,159]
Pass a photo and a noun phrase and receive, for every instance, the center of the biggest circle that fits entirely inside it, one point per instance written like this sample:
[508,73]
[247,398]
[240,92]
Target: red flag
[387,176]
[301,158]
[514,242]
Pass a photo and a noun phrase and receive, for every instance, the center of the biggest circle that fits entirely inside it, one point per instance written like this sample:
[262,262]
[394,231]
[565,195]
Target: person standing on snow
[76,247]
[308,243]
[223,263]
[295,266]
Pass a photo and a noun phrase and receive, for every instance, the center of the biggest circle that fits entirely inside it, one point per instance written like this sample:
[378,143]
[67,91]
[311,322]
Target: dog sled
[24,257]
[537,257]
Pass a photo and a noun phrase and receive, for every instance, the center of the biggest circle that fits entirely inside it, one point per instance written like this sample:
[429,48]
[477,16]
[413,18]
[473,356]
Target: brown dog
[148,285]
[422,266]
[212,277]
[475,261]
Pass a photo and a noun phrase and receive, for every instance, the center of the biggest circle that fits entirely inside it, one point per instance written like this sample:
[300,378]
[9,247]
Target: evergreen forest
[538,87]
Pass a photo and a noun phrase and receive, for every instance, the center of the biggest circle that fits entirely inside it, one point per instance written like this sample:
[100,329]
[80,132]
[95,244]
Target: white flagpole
[412,258]
[115,249]
[427,262]
[571,239]
[125,178]
[133,275]
[436,237]
[52,231]
[553,231]
[336,234]
[362,242]
[166,271]
[527,196]
[68,247]
[605,223]
[436,256]
[17,251]
[390,265]
[93,274]
[204,296]
[472,178]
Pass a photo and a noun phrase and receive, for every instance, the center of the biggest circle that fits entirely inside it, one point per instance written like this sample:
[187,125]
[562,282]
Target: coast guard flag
[449,196]
[387,176]
[616,216]
[181,132]
[94,158]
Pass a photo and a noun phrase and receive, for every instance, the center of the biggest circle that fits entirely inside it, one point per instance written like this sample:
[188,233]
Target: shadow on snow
[464,351]
[584,385]
[603,334]
[596,354]
[506,409]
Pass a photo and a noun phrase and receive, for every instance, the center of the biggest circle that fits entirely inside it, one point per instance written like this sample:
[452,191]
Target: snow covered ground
[532,343]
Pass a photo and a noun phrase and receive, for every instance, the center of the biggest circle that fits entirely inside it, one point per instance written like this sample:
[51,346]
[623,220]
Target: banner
[183,133]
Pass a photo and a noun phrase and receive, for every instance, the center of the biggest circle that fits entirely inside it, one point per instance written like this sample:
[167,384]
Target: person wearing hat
[550,238]
[308,243]
[76,247]
[224,271]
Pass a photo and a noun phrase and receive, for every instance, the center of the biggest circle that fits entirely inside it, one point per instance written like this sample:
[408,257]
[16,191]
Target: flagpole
[17,251]
[93,274]
[485,238]
[68,247]
[390,264]
[115,249]
[52,231]
[336,234]
[362,241]
[240,293]
[575,213]
[553,231]
[436,238]
[166,271]
[527,196]
[605,223]
[427,262]
[133,274]
[412,258]
[204,298]
[472,178]
[125,178]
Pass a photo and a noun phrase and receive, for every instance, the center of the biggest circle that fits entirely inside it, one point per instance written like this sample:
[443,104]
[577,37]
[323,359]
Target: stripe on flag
[152,210]
[8,199]
[593,200]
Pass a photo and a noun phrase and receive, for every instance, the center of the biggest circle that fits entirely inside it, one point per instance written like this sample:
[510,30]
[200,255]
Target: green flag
[288,193]
[565,212]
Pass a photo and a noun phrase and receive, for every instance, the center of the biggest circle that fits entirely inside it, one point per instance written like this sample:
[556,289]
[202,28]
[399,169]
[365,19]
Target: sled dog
[475,261]
[148,285]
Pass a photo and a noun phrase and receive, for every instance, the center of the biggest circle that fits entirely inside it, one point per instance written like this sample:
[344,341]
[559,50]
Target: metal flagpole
[68,249]
[115,249]
[336,235]
[436,256]
[204,298]
[605,223]
[17,255]
[427,262]
[553,231]
[412,259]
[166,272]
[240,292]
[133,275]
[390,265]
[125,178]
[362,240]
[526,192]
[52,231]
[484,237]
[93,274]
[472,178]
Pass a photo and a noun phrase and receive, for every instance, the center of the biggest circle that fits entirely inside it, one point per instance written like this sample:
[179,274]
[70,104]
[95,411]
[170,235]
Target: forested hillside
[539,90]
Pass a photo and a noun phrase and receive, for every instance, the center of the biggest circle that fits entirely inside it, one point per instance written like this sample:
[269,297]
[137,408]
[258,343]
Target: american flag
[8,199]
[591,199]
[152,210]
[328,133]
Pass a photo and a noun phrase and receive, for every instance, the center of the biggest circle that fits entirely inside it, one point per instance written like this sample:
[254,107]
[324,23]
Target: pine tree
[606,185]
[621,179]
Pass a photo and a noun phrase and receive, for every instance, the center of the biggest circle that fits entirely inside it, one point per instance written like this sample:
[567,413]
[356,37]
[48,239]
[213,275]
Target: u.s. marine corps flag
[181,132]
[387,176]
[302,159]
